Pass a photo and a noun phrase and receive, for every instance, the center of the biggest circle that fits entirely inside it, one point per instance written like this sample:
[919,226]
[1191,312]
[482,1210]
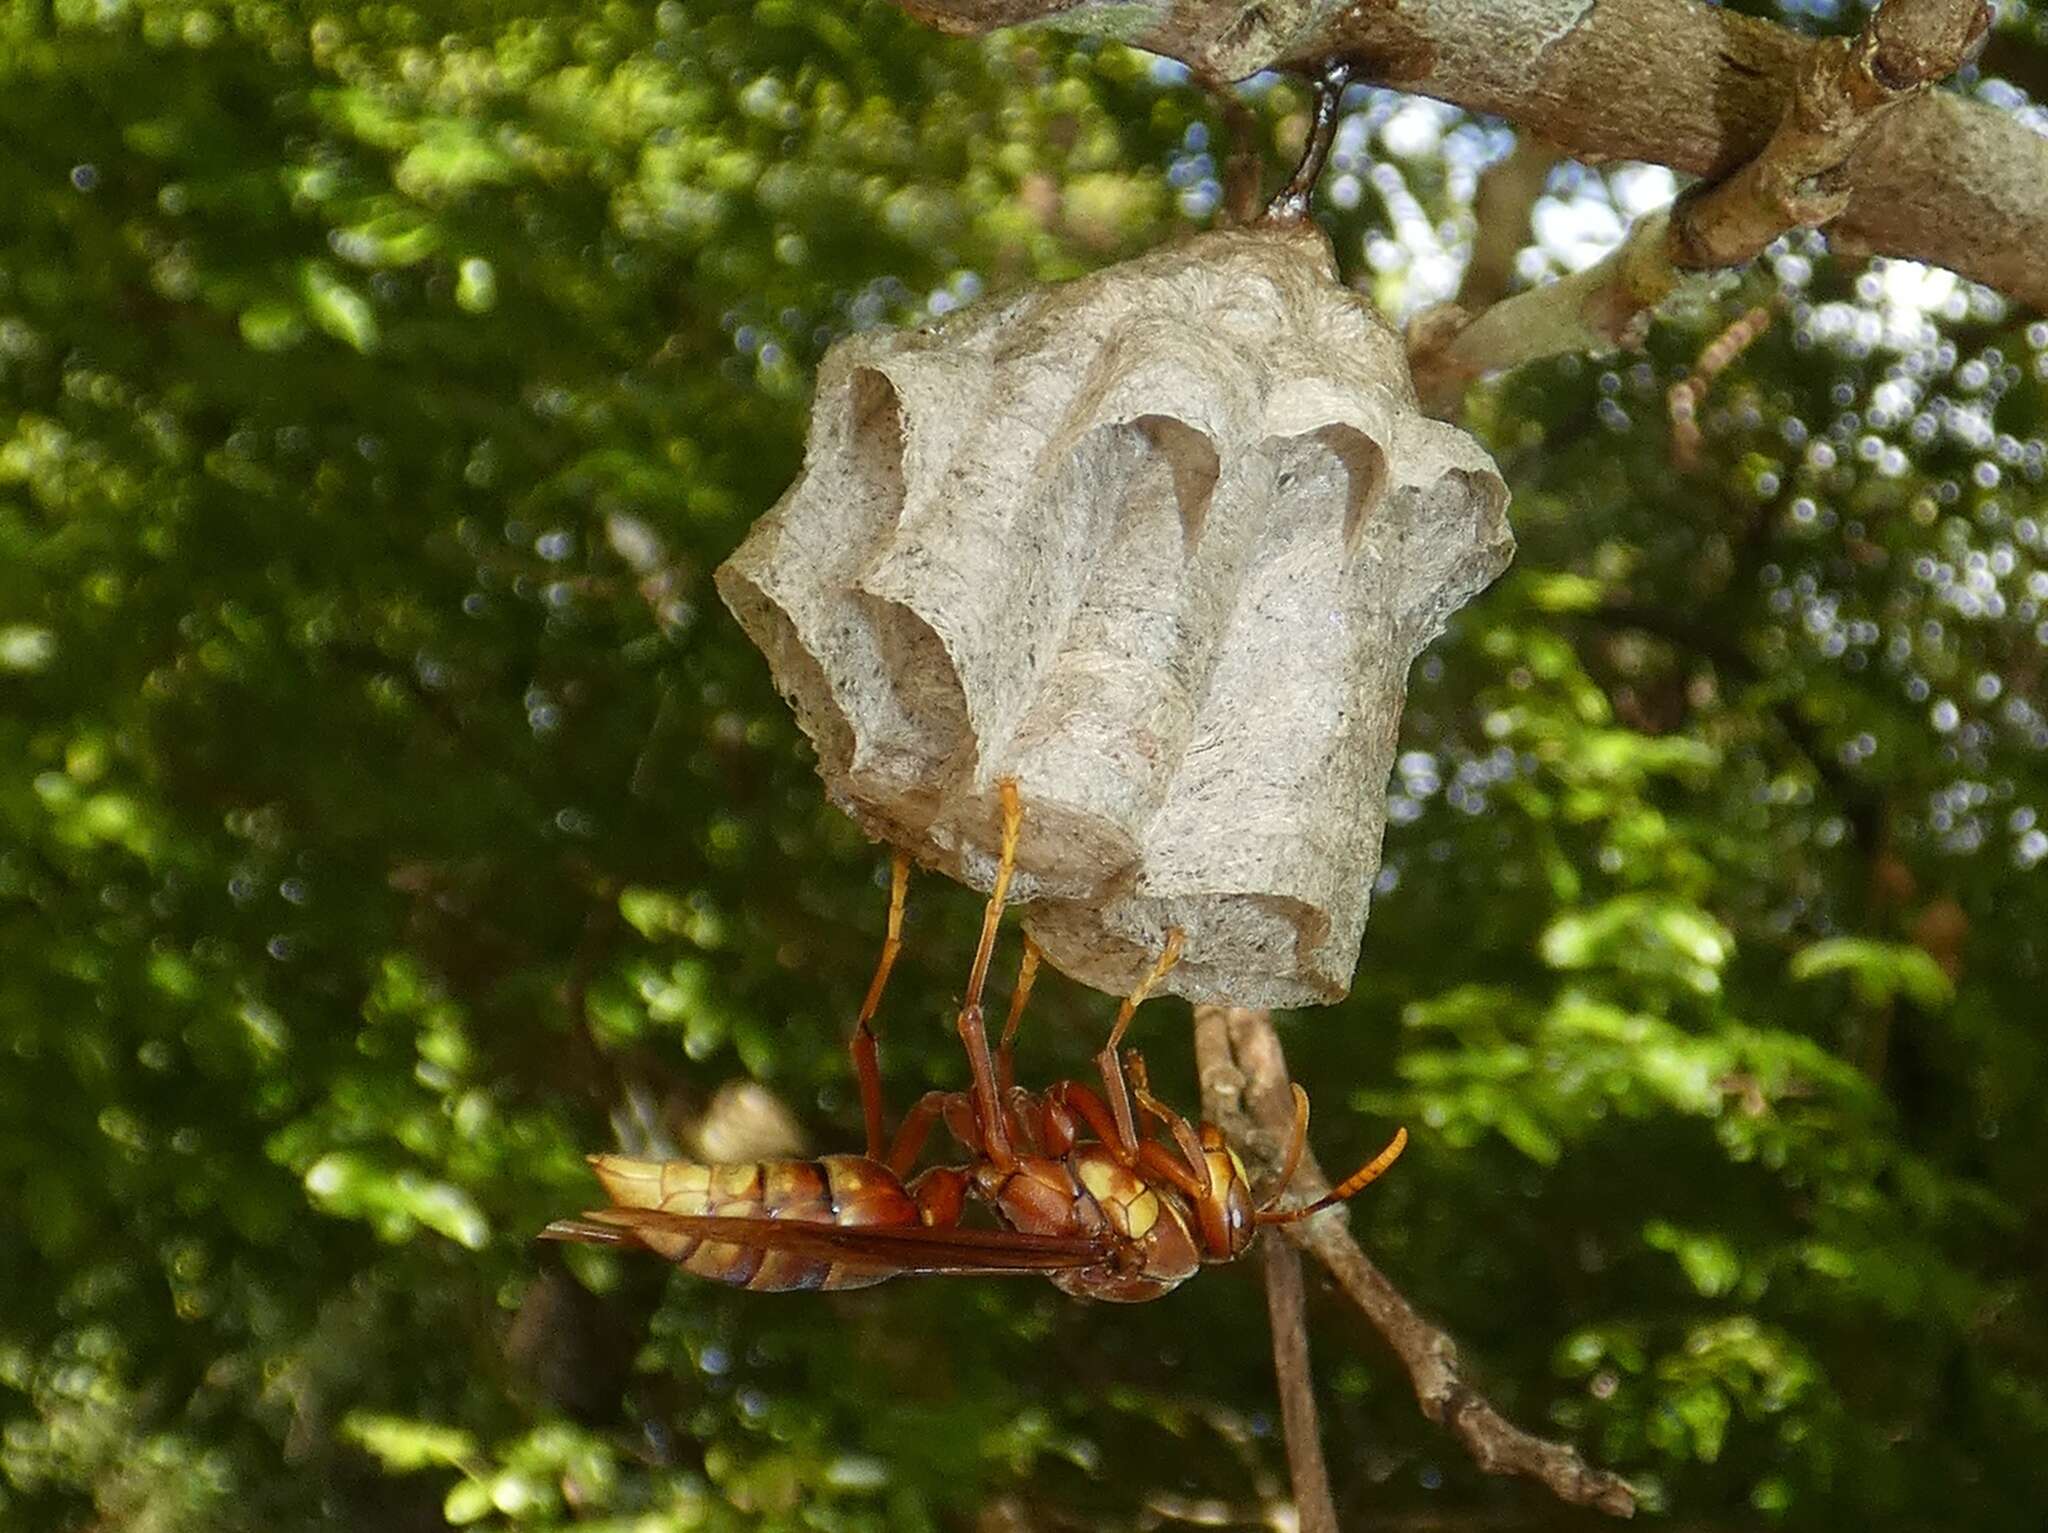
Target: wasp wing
[909,1249]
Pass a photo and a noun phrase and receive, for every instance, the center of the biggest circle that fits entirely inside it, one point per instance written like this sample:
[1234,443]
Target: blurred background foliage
[389,814]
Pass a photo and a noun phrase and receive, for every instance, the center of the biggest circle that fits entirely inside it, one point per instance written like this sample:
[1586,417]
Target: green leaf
[1706,1411]
[1879,971]
[404,1445]
[1708,1260]
[339,309]
[1645,934]
[467,1501]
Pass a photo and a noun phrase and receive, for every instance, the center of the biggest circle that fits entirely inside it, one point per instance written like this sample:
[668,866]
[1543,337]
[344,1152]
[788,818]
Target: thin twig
[1246,1092]
[1290,205]
[1287,1309]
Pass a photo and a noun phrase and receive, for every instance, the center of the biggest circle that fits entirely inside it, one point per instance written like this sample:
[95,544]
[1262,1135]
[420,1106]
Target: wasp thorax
[1131,1207]
[1153,1249]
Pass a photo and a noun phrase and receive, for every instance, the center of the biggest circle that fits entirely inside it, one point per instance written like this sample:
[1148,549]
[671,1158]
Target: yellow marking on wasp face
[1142,1212]
[1238,1166]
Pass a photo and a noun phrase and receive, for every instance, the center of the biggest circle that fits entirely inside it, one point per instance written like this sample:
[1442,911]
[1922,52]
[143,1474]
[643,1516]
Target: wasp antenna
[1353,1184]
[1297,1141]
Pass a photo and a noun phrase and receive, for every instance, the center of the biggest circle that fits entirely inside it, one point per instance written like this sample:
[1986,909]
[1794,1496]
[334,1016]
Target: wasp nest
[1160,544]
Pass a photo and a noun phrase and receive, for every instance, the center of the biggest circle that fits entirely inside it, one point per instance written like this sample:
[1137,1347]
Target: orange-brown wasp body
[1116,1215]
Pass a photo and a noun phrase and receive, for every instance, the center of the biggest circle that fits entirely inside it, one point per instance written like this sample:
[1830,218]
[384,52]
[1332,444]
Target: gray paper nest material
[1161,544]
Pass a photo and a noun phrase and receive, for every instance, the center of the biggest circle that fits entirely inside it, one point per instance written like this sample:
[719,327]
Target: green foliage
[1879,971]
[389,815]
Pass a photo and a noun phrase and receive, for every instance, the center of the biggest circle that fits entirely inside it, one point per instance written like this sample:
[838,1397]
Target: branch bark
[1846,88]
[1507,196]
[1245,1092]
[1693,86]
[1597,310]
[1287,1310]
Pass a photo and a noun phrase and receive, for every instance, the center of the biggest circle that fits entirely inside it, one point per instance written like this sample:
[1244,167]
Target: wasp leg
[916,1127]
[1183,1132]
[1110,1064]
[1073,1100]
[1017,1102]
[941,1196]
[988,1100]
[1049,1120]
[1027,974]
[866,1064]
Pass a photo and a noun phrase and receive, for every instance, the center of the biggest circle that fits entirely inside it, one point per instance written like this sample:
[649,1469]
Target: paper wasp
[1118,1216]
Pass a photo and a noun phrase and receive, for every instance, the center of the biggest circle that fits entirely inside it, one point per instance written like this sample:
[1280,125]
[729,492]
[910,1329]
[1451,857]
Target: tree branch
[1693,86]
[1507,195]
[1596,310]
[1245,1091]
[1287,1309]
[1846,87]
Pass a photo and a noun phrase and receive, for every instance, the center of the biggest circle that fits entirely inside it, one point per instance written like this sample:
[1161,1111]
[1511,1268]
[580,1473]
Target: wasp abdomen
[844,1190]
